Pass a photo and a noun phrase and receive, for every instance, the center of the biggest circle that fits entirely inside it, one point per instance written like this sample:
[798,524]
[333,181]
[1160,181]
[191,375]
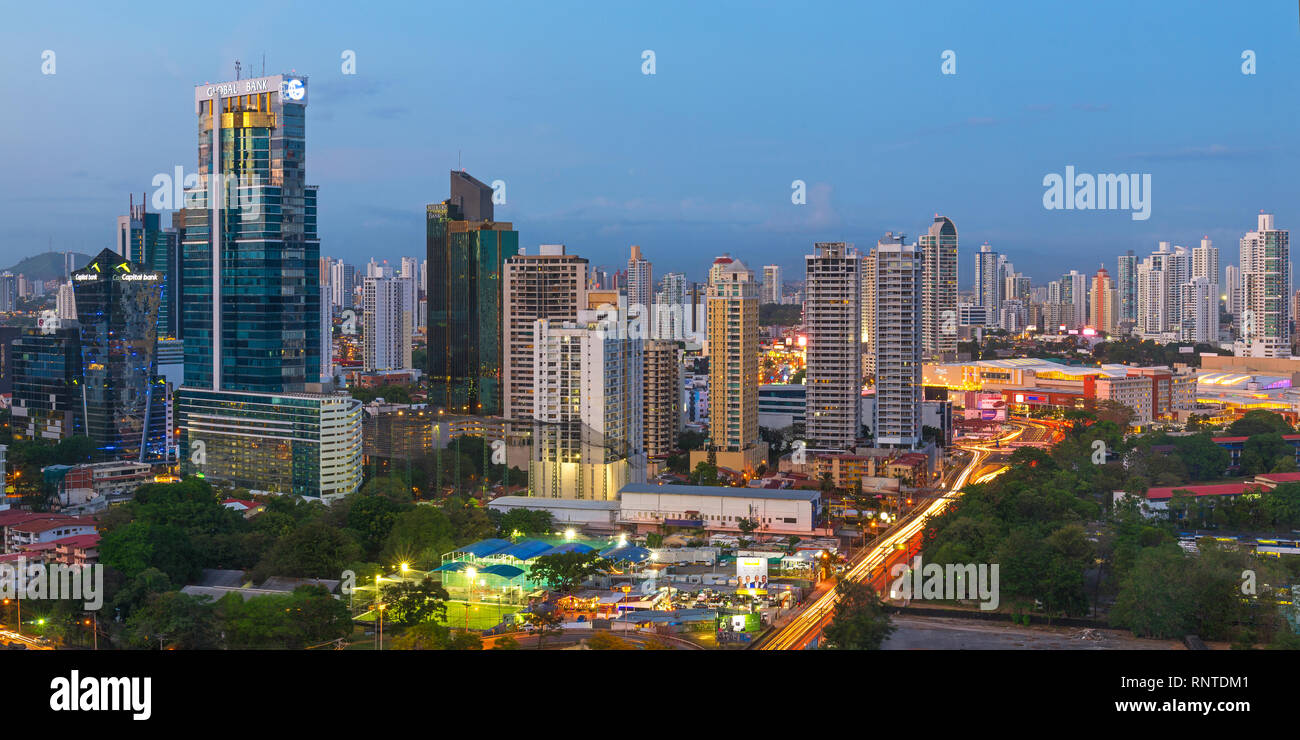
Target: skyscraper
[48,402]
[833,319]
[142,239]
[939,289]
[897,342]
[546,285]
[1200,315]
[386,317]
[988,289]
[771,284]
[1102,314]
[587,440]
[1126,286]
[673,312]
[1265,280]
[253,411]
[466,304]
[662,398]
[733,367]
[640,289]
[125,401]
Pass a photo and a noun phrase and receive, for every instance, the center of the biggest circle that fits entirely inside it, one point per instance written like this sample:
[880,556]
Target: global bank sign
[292,88]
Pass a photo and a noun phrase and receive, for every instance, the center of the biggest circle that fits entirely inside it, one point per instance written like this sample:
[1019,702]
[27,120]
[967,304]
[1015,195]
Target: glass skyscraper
[254,410]
[47,397]
[465,300]
[125,399]
[257,326]
[142,240]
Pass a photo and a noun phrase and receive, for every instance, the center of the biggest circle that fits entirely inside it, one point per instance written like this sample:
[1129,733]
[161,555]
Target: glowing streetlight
[569,534]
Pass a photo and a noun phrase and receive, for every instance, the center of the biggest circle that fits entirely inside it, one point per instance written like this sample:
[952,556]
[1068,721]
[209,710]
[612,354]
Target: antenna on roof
[236,69]
[263,64]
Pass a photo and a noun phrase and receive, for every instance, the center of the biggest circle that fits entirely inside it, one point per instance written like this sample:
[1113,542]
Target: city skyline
[995,127]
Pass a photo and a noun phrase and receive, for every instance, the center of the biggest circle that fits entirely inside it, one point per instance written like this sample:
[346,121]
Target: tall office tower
[465,300]
[771,284]
[662,398]
[125,402]
[1295,322]
[833,320]
[640,290]
[672,312]
[867,304]
[48,399]
[342,284]
[546,285]
[733,366]
[386,316]
[587,436]
[473,199]
[65,303]
[939,289]
[988,290]
[142,239]
[1265,280]
[897,421]
[1102,315]
[1200,314]
[253,411]
[1126,286]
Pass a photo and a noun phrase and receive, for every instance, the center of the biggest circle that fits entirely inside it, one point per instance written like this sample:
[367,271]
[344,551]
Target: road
[896,544]
[31,643]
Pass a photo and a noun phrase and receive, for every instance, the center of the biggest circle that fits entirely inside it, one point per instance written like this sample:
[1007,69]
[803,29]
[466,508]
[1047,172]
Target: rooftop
[722,491]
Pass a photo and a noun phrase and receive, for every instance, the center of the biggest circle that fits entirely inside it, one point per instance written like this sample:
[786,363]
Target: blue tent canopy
[507,572]
[454,566]
[523,550]
[566,547]
[485,547]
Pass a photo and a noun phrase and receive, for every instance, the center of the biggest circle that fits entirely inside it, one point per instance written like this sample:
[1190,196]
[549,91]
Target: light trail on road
[808,624]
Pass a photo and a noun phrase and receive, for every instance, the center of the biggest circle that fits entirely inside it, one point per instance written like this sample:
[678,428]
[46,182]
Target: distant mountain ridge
[47,266]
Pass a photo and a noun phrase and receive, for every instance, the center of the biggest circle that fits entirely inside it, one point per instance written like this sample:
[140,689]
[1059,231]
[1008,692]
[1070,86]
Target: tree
[706,474]
[524,521]
[1259,421]
[371,519]
[314,550]
[138,546]
[566,570]
[419,537]
[176,620]
[543,623]
[505,642]
[1263,452]
[412,603]
[859,620]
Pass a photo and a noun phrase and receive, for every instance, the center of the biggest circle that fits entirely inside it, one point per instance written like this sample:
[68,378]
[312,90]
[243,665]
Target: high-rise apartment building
[988,288]
[771,284]
[897,344]
[662,398]
[65,303]
[547,285]
[673,312]
[640,290]
[939,288]
[832,319]
[733,367]
[254,410]
[1200,314]
[587,436]
[125,402]
[386,323]
[1126,286]
[1103,303]
[1265,279]
[343,284]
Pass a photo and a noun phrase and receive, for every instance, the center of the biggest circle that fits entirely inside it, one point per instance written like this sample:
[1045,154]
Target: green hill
[47,266]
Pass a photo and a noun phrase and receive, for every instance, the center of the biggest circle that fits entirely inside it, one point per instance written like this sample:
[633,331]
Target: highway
[873,565]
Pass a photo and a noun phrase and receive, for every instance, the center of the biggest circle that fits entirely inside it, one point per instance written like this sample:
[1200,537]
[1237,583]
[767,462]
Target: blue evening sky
[697,159]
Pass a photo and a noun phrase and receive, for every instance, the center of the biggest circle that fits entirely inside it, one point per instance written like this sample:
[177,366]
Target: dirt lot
[944,633]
